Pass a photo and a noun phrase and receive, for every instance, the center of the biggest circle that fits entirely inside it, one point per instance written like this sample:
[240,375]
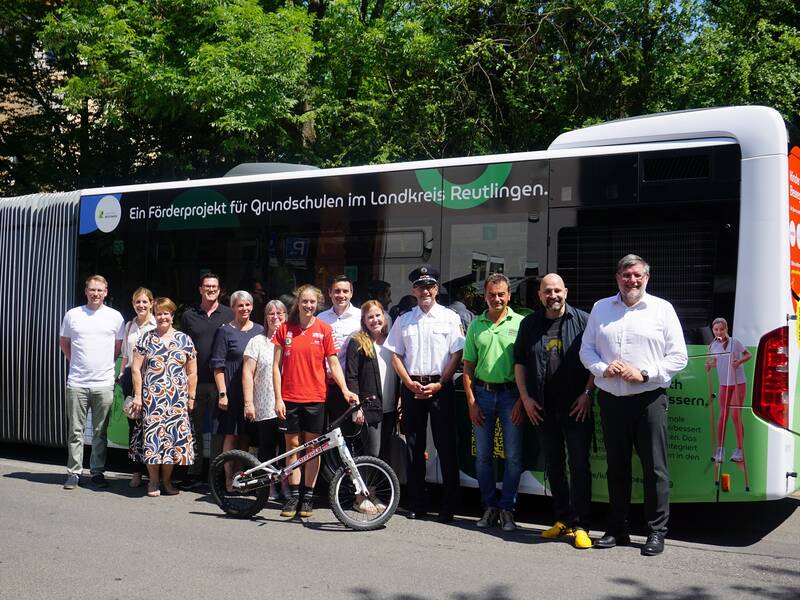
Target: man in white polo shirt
[91,340]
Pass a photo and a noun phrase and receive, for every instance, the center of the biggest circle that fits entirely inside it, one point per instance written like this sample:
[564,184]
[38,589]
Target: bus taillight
[771,386]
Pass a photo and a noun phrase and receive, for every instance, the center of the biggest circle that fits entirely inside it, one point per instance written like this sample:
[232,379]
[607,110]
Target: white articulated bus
[710,198]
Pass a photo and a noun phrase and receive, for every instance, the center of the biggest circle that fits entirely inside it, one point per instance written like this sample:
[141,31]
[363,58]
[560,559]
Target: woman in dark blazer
[369,373]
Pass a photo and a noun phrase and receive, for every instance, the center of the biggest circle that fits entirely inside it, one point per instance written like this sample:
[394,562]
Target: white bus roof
[757,129]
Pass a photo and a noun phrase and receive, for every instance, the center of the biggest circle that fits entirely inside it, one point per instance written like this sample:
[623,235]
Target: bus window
[502,231]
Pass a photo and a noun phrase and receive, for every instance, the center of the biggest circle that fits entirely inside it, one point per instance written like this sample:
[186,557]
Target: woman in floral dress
[164,381]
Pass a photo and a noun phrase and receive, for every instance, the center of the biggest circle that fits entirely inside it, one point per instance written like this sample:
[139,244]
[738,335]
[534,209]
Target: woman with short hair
[164,381]
[259,395]
[226,360]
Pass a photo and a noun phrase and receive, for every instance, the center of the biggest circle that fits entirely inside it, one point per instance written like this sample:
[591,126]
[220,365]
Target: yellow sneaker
[557,530]
[582,539]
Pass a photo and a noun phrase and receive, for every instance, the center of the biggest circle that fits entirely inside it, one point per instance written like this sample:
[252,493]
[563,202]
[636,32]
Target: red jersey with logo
[303,367]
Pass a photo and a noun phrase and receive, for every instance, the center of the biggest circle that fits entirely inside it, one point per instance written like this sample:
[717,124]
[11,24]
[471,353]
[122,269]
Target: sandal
[153,489]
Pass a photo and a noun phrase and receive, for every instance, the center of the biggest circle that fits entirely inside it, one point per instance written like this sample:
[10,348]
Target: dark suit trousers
[639,422]
[441,408]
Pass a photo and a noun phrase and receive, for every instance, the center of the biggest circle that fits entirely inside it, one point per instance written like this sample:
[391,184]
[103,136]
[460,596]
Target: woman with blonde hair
[143,322]
[370,375]
[226,362]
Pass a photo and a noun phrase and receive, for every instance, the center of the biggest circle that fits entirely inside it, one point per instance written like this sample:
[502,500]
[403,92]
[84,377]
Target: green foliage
[111,91]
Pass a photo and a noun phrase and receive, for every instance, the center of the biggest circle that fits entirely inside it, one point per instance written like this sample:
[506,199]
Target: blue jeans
[497,405]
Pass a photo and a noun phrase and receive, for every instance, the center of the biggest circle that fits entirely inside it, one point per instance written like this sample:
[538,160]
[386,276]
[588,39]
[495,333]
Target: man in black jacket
[556,390]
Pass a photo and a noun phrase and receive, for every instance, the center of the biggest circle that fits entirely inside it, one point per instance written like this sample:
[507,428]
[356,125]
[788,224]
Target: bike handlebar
[350,410]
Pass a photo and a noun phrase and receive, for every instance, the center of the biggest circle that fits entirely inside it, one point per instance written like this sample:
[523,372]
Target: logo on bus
[107,214]
[489,185]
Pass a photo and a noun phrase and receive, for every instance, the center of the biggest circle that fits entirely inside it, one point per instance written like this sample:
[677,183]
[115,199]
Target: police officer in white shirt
[633,345]
[345,320]
[427,343]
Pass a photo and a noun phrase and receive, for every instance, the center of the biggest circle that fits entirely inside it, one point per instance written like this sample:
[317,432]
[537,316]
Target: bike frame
[246,480]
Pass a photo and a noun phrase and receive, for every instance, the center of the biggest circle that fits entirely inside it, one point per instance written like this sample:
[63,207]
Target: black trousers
[639,422]
[441,409]
[571,498]
[268,438]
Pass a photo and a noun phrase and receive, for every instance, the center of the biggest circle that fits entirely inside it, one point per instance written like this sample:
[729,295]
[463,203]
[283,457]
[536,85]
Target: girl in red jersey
[303,347]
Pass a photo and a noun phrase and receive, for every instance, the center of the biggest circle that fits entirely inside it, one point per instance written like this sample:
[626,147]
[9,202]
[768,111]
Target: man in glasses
[427,343]
[201,323]
[633,345]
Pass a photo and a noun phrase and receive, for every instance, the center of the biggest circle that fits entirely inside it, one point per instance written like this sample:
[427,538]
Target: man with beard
[633,345]
[556,391]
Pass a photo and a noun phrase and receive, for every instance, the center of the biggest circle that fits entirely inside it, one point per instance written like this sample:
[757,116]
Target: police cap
[424,275]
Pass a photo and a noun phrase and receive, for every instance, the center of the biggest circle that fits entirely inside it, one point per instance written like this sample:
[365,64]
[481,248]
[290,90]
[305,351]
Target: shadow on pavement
[628,588]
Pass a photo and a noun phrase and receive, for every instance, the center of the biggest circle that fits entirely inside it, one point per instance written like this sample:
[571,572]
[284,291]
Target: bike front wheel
[239,504]
[370,511]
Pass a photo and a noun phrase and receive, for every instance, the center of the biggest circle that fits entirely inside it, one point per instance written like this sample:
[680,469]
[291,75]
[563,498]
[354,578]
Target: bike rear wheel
[241,505]
[359,512]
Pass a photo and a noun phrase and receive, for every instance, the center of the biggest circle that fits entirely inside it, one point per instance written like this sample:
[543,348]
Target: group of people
[303,367]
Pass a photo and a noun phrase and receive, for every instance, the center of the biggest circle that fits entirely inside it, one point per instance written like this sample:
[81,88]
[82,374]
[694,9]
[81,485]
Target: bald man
[556,392]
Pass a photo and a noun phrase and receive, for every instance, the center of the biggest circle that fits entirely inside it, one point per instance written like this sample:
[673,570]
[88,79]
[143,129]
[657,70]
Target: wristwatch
[645,376]
[222,394]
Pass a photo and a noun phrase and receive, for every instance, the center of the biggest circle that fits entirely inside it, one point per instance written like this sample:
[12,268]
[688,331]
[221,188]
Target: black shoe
[191,484]
[445,516]
[654,544]
[610,540]
[414,515]
[99,481]
[306,507]
[290,508]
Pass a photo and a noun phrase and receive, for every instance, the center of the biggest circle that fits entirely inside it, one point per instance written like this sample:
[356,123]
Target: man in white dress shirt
[427,343]
[345,320]
[633,345]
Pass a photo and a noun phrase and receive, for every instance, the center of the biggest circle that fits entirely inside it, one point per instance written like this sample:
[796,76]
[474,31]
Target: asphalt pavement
[118,543]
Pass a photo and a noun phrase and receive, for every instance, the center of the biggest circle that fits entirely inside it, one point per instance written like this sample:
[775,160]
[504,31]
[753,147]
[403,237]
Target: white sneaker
[719,455]
[737,456]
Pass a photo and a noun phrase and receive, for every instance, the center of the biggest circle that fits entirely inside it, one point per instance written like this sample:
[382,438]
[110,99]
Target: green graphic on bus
[693,426]
[465,195]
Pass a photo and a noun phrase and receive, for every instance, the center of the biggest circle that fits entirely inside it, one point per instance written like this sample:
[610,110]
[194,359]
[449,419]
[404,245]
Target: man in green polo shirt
[491,395]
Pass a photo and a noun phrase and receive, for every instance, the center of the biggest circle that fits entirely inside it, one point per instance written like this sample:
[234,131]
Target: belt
[496,387]
[426,379]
